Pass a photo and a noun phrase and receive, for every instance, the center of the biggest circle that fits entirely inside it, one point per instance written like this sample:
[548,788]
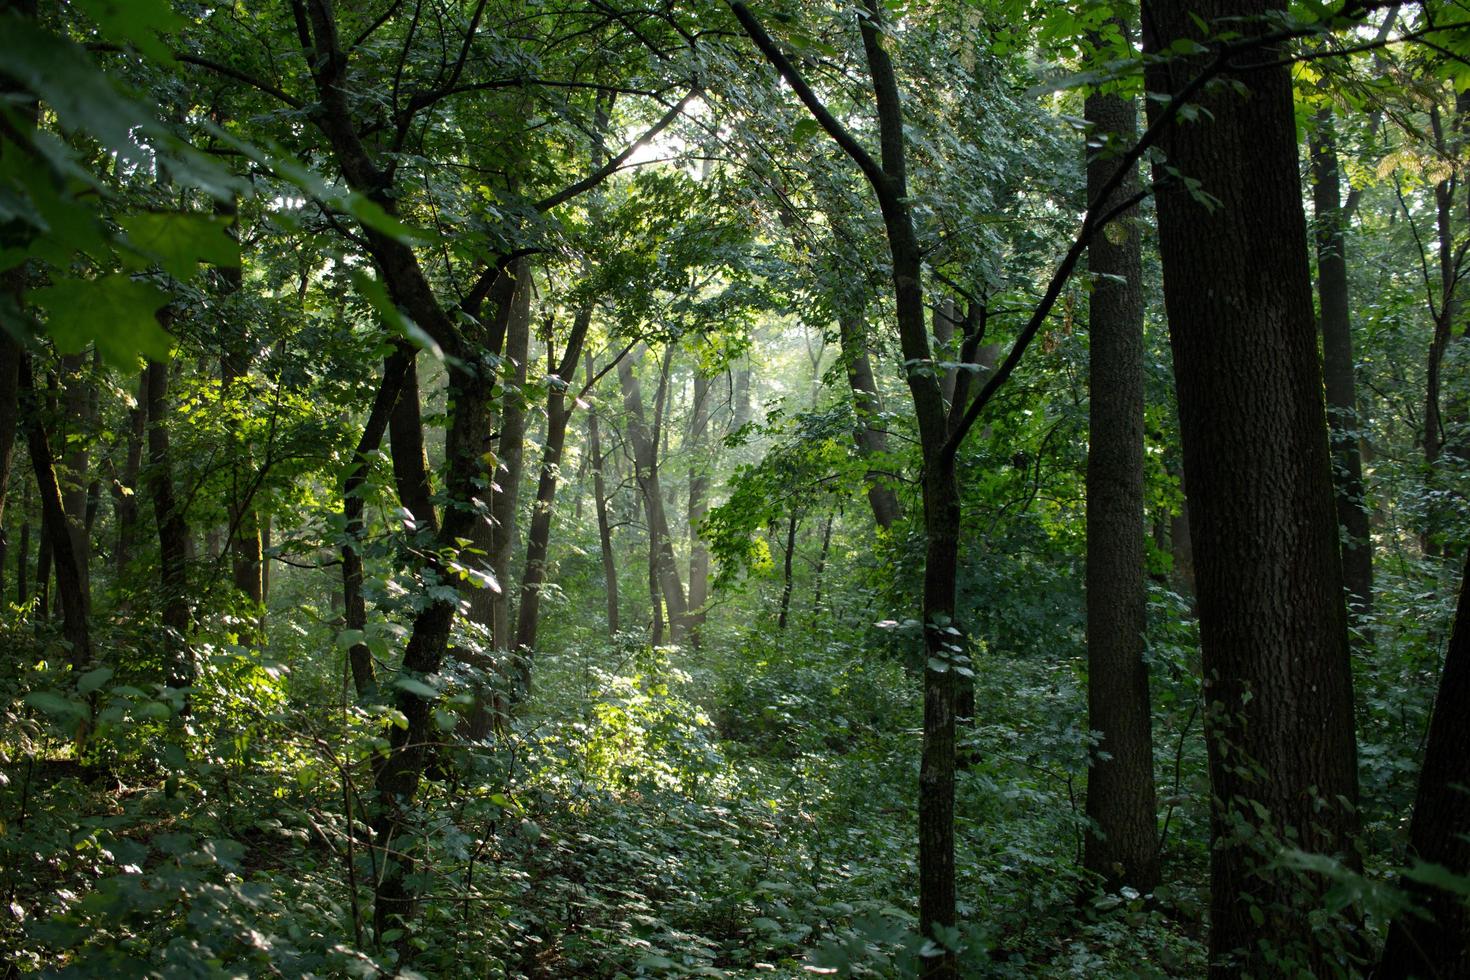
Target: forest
[663,488]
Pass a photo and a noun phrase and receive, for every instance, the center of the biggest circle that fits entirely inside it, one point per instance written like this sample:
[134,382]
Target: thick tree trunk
[538,539]
[1439,833]
[1278,687]
[397,775]
[56,537]
[1337,370]
[173,533]
[1122,839]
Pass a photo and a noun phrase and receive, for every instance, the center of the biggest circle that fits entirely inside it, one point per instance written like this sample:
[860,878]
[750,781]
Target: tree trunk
[410,458]
[247,565]
[822,565]
[505,499]
[125,484]
[645,461]
[23,564]
[699,467]
[173,532]
[1445,315]
[359,657]
[77,399]
[790,553]
[946,320]
[1439,833]
[1278,689]
[57,538]
[871,438]
[604,529]
[1122,840]
[538,539]
[1337,370]
[43,565]
[505,301]
[397,775]
[10,354]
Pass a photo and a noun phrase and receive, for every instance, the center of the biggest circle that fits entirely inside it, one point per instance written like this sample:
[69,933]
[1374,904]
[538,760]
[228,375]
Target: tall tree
[560,402]
[1438,945]
[1237,289]
[644,442]
[173,532]
[1122,841]
[604,528]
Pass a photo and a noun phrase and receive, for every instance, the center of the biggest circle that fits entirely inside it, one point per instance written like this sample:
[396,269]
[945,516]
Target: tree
[1123,849]
[1438,943]
[1237,289]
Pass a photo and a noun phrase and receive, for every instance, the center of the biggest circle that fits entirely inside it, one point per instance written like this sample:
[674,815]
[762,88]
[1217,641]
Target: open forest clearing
[660,488]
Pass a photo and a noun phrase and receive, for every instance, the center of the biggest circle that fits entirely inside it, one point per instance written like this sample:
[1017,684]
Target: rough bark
[1278,688]
[1121,845]
[604,528]
[1337,369]
[1439,833]
[173,533]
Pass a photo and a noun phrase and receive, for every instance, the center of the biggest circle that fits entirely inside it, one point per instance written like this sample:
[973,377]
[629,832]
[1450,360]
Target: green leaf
[58,707]
[416,687]
[179,242]
[373,216]
[137,22]
[347,639]
[376,294]
[115,312]
[93,679]
[1438,876]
